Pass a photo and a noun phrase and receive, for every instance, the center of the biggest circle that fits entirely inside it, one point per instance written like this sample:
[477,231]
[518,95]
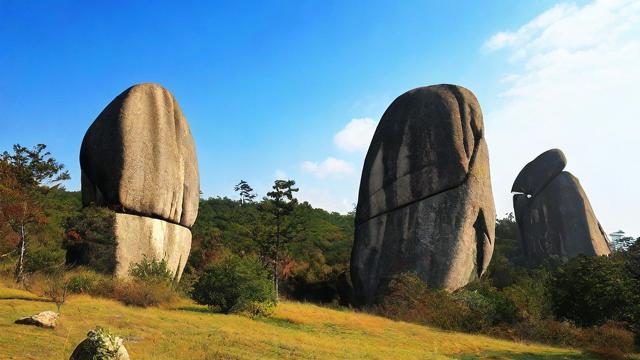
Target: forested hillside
[316,258]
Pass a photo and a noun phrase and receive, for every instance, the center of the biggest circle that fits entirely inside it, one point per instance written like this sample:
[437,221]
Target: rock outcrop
[45,319]
[425,203]
[138,158]
[554,216]
[100,344]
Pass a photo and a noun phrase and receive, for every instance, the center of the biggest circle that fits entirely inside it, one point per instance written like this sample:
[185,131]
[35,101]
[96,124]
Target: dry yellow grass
[298,331]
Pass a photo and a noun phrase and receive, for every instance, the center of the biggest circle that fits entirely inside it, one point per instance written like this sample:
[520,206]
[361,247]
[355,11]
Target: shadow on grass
[198,309]
[284,323]
[509,355]
[25,298]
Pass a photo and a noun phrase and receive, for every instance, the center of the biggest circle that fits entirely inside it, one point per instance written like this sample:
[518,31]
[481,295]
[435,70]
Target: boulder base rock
[100,344]
[140,236]
[425,203]
[46,319]
[554,216]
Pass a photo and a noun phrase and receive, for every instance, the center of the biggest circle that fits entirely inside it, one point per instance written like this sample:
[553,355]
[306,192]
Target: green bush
[83,281]
[152,271]
[530,296]
[236,285]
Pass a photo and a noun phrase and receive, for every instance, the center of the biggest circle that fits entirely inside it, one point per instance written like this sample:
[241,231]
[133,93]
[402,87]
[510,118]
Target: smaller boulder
[540,172]
[45,319]
[100,344]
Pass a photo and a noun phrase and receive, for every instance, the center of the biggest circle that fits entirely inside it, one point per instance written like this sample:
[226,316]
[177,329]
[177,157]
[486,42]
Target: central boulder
[138,158]
[425,203]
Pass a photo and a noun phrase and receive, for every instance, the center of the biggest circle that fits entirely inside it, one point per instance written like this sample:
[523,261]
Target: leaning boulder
[425,203]
[100,344]
[45,319]
[537,174]
[138,158]
[554,216]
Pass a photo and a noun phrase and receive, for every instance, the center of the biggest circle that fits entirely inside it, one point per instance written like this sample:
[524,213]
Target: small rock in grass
[46,319]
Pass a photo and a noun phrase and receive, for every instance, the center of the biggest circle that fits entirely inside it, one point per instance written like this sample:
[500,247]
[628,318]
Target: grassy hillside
[297,331]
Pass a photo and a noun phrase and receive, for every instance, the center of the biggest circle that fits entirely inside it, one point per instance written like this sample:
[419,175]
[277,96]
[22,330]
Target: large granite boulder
[138,158]
[554,216]
[425,203]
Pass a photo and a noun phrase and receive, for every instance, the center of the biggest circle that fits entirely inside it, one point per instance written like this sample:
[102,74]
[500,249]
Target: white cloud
[330,166]
[573,85]
[356,136]
[280,175]
[529,30]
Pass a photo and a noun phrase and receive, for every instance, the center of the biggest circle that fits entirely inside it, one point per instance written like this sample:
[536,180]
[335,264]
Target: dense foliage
[89,239]
[32,206]
[236,285]
[314,263]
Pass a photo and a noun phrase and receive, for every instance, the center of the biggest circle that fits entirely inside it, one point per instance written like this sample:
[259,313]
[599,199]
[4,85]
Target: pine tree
[245,191]
[277,208]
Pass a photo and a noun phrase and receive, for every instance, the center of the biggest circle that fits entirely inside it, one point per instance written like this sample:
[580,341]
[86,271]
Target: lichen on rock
[100,344]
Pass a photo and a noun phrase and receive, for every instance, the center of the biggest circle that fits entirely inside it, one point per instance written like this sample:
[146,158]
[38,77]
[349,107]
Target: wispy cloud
[527,32]
[573,84]
[329,167]
[356,135]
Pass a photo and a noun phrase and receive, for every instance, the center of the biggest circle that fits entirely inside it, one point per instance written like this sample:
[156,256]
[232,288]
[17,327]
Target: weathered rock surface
[139,157]
[554,216]
[140,236]
[46,319]
[100,344]
[540,172]
[425,203]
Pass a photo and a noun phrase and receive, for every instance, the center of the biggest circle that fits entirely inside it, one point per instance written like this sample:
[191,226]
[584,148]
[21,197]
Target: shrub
[105,287]
[236,285]
[152,271]
[610,340]
[144,294]
[83,281]
[408,299]
[130,292]
[56,288]
[530,296]
[549,332]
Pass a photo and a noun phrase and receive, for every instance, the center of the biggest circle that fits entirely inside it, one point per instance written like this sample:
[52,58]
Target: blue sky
[267,87]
